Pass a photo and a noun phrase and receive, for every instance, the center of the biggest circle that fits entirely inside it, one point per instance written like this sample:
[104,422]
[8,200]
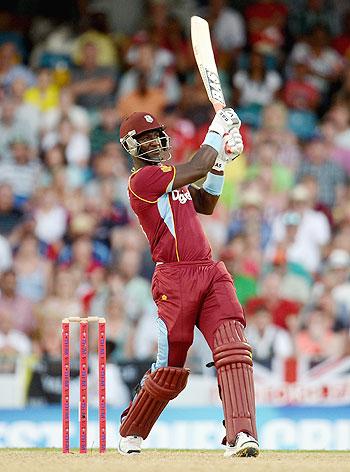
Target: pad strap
[159,387]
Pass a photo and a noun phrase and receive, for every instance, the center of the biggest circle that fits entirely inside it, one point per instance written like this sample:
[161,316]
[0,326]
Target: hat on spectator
[338,259]
[300,193]
[251,198]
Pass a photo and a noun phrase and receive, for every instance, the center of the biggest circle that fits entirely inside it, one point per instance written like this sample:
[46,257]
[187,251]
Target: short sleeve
[150,182]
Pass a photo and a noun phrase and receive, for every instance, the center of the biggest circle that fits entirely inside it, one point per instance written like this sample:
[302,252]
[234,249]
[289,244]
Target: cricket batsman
[189,288]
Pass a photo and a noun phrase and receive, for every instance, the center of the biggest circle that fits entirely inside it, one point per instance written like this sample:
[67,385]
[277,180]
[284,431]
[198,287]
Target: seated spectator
[33,271]
[317,342]
[26,114]
[19,307]
[265,23]
[339,116]
[269,342]
[299,93]
[306,230]
[10,67]
[270,295]
[49,216]
[107,130]
[228,31]
[12,341]
[66,108]
[23,172]
[97,33]
[12,128]
[11,217]
[274,129]
[142,97]
[256,86]
[324,63]
[44,96]
[155,65]
[92,85]
[62,300]
[330,177]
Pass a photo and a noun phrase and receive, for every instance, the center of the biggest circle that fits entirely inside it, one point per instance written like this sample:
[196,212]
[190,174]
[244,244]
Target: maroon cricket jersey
[167,216]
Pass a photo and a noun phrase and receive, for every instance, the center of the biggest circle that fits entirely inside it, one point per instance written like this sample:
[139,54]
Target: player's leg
[222,323]
[167,377]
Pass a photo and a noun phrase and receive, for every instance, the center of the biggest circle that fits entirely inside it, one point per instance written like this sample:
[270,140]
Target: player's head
[143,137]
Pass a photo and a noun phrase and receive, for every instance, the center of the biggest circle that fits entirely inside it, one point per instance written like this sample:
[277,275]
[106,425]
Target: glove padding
[232,147]
[224,121]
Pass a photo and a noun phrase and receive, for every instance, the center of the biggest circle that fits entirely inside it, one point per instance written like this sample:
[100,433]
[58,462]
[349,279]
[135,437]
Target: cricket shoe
[244,446]
[130,445]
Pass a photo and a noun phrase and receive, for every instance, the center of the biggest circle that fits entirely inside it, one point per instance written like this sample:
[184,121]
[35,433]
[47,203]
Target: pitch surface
[52,460]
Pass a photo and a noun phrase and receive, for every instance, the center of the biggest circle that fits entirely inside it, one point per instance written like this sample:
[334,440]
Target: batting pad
[160,386]
[233,361]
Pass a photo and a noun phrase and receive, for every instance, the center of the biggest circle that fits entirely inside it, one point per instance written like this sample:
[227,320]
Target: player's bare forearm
[196,168]
[203,201]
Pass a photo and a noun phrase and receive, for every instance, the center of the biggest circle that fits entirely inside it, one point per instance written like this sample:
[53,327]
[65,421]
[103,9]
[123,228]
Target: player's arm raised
[206,198]
[201,163]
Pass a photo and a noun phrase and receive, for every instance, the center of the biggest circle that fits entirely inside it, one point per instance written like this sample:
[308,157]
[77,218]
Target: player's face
[151,145]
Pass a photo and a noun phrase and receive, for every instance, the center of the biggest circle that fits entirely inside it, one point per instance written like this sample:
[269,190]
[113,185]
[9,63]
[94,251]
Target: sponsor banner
[186,428]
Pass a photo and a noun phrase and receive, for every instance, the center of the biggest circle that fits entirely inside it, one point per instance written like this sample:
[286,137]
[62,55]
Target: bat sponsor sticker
[214,86]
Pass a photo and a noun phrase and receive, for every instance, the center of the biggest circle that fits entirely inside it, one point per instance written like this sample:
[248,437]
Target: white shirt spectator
[313,232]
[228,30]
[77,115]
[50,225]
[23,178]
[5,254]
[77,150]
[325,64]
[274,341]
[15,340]
[261,93]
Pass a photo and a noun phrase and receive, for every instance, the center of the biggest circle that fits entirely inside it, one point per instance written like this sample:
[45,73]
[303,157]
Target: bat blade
[203,53]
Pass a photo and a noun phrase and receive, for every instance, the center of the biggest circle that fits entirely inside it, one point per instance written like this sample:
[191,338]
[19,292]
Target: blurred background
[70,244]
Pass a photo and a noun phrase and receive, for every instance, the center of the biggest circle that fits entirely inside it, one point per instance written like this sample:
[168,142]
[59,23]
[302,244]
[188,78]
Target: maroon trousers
[190,294]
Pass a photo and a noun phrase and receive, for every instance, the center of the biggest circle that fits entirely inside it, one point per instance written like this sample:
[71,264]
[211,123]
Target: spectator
[256,86]
[10,69]
[50,217]
[325,64]
[11,217]
[44,95]
[66,108]
[106,131]
[154,65]
[312,233]
[299,93]
[317,342]
[12,341]
[23,172]
[20,308]
[330,177]
[268,341]
[33,271]
[92,85]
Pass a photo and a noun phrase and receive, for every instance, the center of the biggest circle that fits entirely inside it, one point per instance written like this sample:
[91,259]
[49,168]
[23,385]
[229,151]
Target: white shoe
[244,446]
[130,445]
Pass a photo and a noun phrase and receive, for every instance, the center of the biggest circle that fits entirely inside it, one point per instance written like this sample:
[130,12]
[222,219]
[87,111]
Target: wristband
[213,140]
[213,184]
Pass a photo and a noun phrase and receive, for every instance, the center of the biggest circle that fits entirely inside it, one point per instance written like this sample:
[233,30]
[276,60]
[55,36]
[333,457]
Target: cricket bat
[203,53]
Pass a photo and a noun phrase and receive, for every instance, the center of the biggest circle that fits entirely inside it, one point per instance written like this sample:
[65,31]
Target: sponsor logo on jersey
[181,195]
[166,168]
[215,86]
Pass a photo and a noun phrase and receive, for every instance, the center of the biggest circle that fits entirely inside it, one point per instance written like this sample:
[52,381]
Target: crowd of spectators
[69,243]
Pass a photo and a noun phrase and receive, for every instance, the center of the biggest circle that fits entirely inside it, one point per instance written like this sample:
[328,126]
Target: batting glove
[224,121]
[232,147]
